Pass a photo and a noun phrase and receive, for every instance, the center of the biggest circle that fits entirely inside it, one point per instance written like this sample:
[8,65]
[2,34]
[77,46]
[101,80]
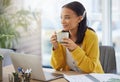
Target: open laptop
[27,61]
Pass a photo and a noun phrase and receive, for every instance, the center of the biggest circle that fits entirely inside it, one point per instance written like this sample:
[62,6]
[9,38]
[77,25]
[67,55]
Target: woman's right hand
[53,40]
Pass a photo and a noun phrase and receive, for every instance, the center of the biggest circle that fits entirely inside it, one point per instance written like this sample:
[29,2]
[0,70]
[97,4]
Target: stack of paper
[106,77]
[77,78]
[93,77]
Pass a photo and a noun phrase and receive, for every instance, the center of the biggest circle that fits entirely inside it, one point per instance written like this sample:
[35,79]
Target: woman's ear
[80,19]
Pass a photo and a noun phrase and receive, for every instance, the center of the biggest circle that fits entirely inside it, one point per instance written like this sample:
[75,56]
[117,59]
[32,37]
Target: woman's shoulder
[91,33]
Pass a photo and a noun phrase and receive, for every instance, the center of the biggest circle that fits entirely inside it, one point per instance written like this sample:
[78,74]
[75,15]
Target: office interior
[44,19]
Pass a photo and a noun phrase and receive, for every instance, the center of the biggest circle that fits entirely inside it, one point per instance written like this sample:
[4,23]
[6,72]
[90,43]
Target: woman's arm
[58,58]
[87,60]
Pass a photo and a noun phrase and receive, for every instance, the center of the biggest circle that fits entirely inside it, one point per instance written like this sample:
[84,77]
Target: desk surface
[9,69]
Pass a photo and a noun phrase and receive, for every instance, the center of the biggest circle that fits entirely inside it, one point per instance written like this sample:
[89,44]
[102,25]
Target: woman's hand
[68,43]
[53,40]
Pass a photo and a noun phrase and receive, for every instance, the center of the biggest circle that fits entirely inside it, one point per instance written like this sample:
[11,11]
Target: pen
[20,70]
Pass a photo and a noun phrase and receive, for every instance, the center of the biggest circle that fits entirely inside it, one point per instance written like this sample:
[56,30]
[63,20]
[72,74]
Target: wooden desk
[9,69]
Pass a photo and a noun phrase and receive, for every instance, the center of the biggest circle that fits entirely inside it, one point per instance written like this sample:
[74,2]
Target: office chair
[107,59]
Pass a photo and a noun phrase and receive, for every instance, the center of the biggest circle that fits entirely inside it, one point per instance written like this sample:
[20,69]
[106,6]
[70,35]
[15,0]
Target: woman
[79,52]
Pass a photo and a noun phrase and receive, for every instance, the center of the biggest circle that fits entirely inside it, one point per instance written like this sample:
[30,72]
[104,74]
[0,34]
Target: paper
[77,78]
[108,77]
[93,77]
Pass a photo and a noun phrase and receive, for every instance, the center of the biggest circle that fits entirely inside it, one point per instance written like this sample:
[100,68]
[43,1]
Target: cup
[62,35]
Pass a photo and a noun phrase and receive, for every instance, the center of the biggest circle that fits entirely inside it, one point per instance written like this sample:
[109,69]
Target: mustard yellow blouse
[86,56]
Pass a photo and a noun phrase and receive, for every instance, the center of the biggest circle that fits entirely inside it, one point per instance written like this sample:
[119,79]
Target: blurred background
[102,15]
[34,21]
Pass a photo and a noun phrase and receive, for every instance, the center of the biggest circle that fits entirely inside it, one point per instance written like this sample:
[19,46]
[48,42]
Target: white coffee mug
[62,35]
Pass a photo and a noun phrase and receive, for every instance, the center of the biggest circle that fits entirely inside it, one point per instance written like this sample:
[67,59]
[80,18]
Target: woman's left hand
[68,43]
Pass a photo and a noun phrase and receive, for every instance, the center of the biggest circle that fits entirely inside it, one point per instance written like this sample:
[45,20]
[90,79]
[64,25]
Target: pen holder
[26,77]
[16,77]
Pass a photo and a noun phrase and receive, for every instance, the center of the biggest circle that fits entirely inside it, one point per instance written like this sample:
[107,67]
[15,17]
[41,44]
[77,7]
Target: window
[116,24]
[51,22]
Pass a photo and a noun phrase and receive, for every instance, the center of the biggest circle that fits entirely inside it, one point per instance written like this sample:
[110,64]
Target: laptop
[27,61]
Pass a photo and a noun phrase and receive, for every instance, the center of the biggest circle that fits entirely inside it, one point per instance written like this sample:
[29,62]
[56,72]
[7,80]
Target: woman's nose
[62,21]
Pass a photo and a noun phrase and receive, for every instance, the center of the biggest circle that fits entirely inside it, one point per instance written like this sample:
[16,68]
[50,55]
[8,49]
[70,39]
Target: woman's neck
[73,35]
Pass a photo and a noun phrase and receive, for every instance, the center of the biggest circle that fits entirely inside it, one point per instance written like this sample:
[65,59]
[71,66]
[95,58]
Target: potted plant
[9,22]
[8,33]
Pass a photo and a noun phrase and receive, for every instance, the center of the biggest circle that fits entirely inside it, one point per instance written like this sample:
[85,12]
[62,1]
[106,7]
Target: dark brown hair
[79,9]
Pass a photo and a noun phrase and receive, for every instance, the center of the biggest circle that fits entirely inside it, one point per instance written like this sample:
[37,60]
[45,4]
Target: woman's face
[69,19]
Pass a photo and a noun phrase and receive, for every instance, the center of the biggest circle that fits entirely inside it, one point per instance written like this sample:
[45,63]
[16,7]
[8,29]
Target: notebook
[27,61]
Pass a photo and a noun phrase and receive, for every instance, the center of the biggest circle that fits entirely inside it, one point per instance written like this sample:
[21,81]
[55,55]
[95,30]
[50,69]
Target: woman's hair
[79,9]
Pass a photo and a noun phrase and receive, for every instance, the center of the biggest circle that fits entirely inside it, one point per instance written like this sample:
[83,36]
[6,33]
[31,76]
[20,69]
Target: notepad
[108,77]
[93,77]
[77,78]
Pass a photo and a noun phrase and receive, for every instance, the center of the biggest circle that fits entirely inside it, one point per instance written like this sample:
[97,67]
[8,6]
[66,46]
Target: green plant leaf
[1,57]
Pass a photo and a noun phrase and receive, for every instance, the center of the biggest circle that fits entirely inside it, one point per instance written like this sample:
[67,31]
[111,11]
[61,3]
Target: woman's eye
[67,17]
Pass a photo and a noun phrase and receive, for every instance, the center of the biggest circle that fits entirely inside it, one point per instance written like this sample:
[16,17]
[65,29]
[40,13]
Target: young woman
[79,52]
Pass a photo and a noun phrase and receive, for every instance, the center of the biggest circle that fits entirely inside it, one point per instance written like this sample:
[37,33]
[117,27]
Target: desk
[9,69]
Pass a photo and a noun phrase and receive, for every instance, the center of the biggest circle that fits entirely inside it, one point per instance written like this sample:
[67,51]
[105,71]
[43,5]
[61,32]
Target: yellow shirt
[86,56]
